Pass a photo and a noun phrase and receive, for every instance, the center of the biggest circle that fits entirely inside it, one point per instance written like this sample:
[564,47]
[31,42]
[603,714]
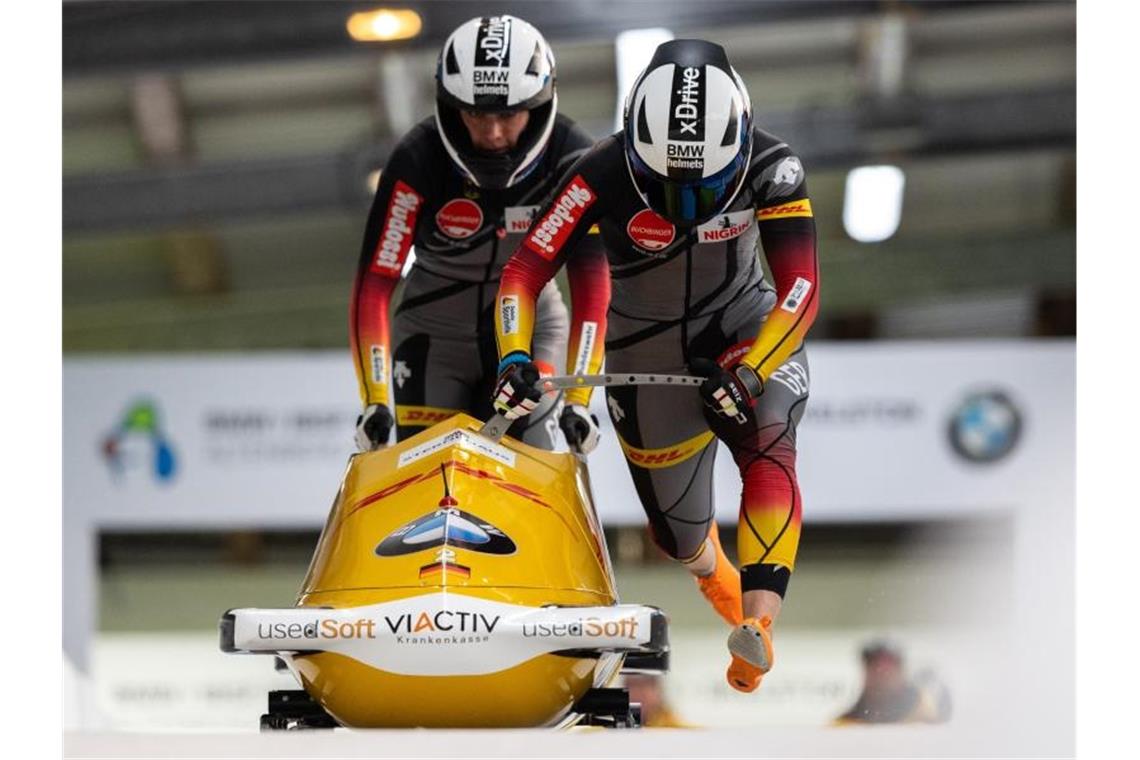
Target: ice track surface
[996,739]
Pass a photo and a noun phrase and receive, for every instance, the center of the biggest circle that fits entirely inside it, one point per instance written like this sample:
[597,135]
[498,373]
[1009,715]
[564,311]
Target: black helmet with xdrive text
[688,132]
[495,63]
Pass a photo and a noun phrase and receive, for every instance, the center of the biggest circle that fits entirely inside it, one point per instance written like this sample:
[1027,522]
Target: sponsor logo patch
[649,231]
[794,208]
[622,628]
[447,526]
[796,295]
[319,628]
[788,172]
[519,218]
[459,218]
[464,440]
[402,373]
[550,233]
[422,415]
[668,456]
[685,150]
[398,230]
[793,376]
[509,314]
[585,347]
[379,365]
[725,226]
[493,59]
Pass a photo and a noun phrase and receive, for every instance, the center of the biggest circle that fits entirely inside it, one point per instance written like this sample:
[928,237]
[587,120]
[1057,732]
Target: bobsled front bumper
[447,633]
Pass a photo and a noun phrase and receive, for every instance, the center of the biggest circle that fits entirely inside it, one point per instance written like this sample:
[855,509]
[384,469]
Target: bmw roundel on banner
[446,526]
[985,427]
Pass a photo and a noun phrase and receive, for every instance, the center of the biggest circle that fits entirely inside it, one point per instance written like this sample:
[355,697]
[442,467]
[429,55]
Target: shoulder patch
[801,207]
[550,232]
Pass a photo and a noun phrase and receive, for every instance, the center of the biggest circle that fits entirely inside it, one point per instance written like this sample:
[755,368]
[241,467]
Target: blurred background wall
[219,159]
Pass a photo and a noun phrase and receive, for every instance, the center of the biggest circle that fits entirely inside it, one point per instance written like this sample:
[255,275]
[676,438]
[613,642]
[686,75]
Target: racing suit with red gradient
[444,357]
[679,295]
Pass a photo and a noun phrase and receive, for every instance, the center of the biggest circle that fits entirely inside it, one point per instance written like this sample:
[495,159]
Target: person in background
[888,696]
[462,187]
[685,197]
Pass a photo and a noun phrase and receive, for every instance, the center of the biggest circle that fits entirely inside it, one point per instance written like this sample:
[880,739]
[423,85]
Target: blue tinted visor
[690,203]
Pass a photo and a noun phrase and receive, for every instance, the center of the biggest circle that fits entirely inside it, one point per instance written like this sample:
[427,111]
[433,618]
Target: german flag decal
[439,568]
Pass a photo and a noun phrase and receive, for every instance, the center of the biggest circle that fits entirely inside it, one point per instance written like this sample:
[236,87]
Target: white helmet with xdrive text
[497,64]
[688,132]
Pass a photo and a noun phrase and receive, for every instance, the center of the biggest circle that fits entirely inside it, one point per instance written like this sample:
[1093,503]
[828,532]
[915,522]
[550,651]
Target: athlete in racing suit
[689,294]
[464,206]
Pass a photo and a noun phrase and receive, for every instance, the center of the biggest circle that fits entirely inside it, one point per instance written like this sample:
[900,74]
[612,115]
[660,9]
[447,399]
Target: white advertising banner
[892,431]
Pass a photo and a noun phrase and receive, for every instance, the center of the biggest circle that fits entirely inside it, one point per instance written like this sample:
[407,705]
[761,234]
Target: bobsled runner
[461,580]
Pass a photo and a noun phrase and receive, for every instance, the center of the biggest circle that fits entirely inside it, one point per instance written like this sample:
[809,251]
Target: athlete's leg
[670,453]
[770,512]
[427,386]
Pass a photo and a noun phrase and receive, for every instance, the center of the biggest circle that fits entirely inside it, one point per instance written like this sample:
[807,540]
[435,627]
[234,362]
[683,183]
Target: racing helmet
[688,132]
[495,63]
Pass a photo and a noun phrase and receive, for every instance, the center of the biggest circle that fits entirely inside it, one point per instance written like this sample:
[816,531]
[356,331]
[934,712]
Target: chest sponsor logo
[518,218]
[459,218]
[399,228]
[550,233]
[649,231]
[725,226]
[797,295]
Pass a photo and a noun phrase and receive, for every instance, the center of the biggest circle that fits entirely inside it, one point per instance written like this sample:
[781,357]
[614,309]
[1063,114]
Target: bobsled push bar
[496,427]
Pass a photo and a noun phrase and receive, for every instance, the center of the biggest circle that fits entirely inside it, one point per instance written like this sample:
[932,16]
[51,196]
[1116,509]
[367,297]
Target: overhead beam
[825,137]
[100,37]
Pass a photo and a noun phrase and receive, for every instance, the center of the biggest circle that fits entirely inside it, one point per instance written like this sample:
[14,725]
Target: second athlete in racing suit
[689,294]
[464,210]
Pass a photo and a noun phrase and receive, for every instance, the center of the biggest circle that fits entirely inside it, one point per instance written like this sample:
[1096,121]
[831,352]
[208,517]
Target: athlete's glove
[373,426]
[729,393]
[580,428]
[516,395]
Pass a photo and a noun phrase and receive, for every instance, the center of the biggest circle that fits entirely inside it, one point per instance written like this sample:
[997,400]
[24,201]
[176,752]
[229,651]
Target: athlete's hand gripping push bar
[497,426]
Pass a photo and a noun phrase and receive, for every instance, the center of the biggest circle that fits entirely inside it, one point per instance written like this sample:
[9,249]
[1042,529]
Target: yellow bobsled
[460,581]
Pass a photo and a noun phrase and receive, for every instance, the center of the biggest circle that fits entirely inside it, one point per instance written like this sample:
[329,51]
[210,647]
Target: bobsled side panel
[537,692]
[448,508]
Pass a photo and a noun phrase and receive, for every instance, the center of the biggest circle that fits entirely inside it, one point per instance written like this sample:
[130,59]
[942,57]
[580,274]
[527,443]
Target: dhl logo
[422,415]
[795,208]
[666,457]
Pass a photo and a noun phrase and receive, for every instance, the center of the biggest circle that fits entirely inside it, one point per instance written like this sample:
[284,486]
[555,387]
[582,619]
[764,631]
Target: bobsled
[461,580]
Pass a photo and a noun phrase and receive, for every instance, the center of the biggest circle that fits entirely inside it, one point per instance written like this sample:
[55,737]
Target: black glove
[730,393]
[580,428]
[515,394]
[373,427]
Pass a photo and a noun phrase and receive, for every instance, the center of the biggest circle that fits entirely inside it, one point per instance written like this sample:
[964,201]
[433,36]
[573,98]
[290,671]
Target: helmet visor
[688,202]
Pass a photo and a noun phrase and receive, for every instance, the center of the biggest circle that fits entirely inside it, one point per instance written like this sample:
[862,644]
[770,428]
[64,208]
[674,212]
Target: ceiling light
[872,205]
[384,24]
